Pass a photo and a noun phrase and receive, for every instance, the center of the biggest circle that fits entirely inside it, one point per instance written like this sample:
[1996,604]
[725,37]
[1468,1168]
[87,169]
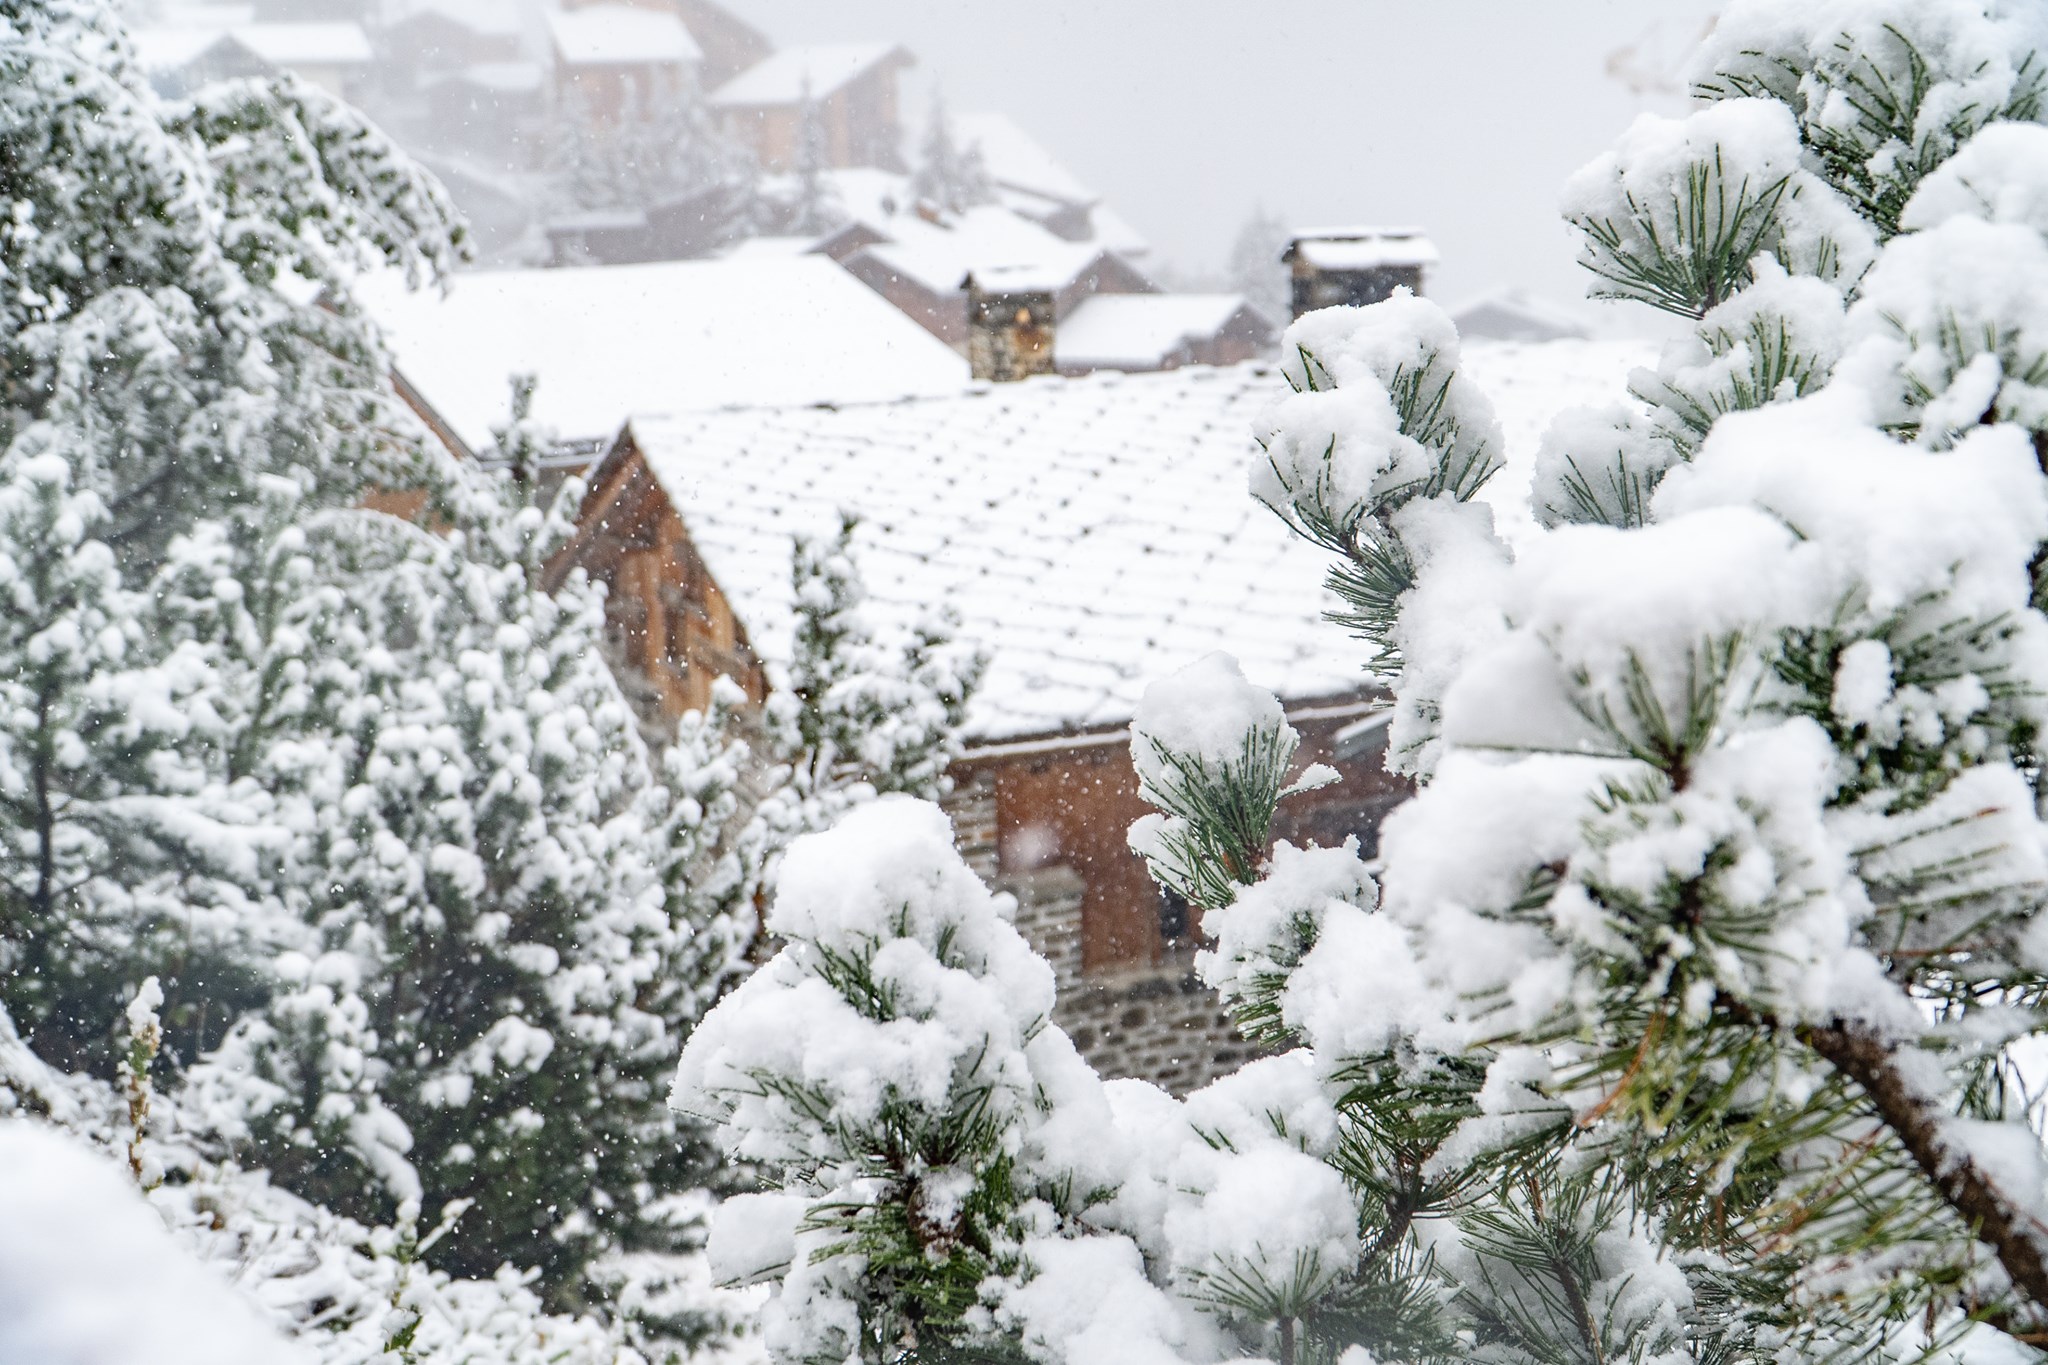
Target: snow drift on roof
[309,44]
[675,336]
[1516,315]
[1115,232]
[167,47]
[1093,534]
[496,17]
[938,255]
[1016,160]
[768,248]
[819,70]
[1047,276]
[509,78]
[1140,330]
[619,35]
[1363,248]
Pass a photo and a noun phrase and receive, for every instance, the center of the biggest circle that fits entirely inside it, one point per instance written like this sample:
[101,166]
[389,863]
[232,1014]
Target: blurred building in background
[616,132]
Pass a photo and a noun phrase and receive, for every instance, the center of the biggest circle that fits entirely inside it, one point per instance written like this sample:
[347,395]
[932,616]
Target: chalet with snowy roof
[1356,265]
[179,58]
[1517,315]
[729,43]
[439,36]
[1030,181]
[1091,534]
[1140,332]
[613,61]
[845,91]
[676,336]
[925,257]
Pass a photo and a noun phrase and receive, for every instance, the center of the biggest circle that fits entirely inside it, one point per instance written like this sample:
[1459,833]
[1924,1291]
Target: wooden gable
[670,628]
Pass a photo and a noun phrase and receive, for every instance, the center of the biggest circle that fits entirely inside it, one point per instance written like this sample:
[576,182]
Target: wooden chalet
[1091,534]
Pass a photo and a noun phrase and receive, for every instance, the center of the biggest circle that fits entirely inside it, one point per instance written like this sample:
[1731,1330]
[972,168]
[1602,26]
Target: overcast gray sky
[1463,116]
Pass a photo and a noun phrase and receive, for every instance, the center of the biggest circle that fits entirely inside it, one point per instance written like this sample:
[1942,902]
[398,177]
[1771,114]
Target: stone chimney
[1009,322]
[1357,266]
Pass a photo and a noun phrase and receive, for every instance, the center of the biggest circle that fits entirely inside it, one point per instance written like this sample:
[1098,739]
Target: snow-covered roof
[1363,248]
[1517,315]
[1115,232]
[937,250]
[795,73]
[167,47]
[1136,331]
[511,78]
[1530,383]
[1028,277]
[1093,534]
[768,248]
[306,44]
[495,17]
[1016,160]
[938,255]
[621,35]
[675,336]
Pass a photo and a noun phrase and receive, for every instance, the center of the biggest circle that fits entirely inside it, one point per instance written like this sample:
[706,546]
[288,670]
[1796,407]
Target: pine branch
[1916,1122]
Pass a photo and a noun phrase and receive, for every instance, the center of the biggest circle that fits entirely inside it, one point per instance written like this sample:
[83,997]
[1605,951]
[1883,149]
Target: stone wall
[1009,335]
[1159,1024]
[1046,821]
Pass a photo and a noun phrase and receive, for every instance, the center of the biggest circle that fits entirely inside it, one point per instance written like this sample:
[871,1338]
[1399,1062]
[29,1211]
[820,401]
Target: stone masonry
[1159,1024]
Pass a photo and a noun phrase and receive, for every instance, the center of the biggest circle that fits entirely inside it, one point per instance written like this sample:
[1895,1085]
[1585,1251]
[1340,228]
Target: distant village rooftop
[482,16]
[324,44]
[1362,248]
[1017,161]
[938,253]
[1148,331]
[620,35]
[1091,533]
[798,73]
[674,336]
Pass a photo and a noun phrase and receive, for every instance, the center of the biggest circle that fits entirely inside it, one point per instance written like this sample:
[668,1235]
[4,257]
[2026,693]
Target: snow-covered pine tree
[120,845]
[1254,267]
[136,229]
[858,713]
[949,176]
[357,781]
[652,149]
[494,977]
[1695,1014]
[813,206]
[151,347]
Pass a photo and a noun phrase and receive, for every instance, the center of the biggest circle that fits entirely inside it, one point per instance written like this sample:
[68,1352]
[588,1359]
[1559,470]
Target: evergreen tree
[358,791]
[949,176]
[119,849]
[1692,1013]
[855,715]
[654,150]
[1254,267]
[814,207]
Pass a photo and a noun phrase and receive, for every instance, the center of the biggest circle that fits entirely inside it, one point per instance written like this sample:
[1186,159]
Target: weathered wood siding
[1070,805]
[667,621]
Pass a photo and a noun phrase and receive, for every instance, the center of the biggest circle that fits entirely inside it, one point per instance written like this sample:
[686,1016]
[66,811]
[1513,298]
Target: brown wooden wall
[1071,806]
[666,618]
[859,123]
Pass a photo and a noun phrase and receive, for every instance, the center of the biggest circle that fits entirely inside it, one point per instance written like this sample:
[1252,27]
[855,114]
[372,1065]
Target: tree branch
[1916,1122]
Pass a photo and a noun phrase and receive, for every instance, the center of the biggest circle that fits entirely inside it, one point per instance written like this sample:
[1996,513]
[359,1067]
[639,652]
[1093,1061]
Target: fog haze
[1463,117]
